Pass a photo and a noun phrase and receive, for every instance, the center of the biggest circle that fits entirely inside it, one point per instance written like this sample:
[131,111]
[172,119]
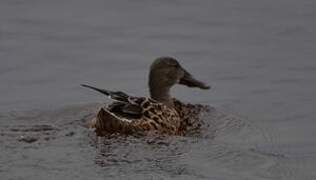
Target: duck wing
[126,110]
[108,123]
[125,106]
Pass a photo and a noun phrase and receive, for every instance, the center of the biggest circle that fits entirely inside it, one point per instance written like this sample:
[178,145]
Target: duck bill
[190,81]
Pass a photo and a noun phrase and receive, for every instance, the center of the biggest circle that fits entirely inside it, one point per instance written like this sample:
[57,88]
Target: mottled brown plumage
[159,114]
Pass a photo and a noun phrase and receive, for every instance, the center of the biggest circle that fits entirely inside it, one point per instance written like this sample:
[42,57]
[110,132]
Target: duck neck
[160,93]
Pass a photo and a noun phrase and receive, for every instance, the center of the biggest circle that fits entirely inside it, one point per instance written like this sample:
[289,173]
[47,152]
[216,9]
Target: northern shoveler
[160,113]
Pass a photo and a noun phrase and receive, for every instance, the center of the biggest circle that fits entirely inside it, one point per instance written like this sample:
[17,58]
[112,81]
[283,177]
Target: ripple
[227,145]
[307,68]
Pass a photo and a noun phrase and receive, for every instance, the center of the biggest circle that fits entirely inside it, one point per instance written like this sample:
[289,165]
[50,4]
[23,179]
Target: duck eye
[174,65]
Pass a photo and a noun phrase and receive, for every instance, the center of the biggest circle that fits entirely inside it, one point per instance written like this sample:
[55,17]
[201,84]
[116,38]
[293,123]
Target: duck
[158,114]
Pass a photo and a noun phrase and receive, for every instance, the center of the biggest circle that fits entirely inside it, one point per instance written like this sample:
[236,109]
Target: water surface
[259,57]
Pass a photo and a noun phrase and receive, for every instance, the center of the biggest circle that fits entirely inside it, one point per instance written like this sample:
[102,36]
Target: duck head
[165,72]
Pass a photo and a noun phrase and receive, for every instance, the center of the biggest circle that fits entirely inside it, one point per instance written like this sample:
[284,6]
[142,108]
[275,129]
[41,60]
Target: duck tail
[115,95]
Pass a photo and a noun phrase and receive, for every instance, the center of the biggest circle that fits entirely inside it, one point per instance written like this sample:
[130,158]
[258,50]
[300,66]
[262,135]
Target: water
[259,57]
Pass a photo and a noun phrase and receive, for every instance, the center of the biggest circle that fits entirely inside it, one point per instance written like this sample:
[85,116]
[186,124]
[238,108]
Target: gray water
[258,56]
